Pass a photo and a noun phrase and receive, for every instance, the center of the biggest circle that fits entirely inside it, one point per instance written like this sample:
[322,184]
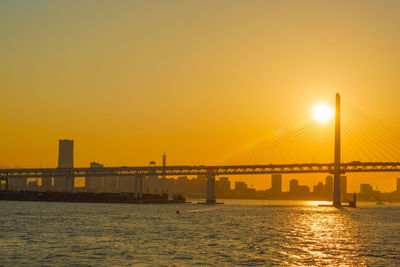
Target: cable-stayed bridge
[337,168]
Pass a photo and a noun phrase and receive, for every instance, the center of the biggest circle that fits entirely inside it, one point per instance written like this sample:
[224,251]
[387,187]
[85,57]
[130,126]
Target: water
[237,233]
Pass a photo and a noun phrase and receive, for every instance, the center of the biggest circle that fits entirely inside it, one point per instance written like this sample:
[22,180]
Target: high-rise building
[319,189]
[223,185]
[276,184]
[329,187]
[293,184]
[94,184]
[65,160]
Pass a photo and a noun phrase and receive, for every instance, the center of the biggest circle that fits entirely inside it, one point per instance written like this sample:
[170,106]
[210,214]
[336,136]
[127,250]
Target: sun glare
[323,113]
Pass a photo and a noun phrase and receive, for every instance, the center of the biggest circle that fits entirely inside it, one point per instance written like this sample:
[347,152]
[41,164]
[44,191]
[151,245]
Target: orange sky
[200,81]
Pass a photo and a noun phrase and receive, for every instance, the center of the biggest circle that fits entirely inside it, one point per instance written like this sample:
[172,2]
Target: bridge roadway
[350,167]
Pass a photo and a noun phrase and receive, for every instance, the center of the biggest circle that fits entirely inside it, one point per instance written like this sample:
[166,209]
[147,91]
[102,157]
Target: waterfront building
[94,184]
[223,185]
[126,184]
[17,184]
[329,187]
[365,188]
[110,184]
[276,184]
[65,160]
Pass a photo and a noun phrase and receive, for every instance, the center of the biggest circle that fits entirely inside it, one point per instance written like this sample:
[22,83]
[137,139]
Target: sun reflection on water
[320,235]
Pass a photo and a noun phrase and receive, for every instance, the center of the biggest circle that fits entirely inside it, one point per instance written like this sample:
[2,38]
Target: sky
[199,80]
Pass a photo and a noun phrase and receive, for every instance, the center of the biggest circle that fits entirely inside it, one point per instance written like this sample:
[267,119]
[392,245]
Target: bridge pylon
[210,189]
[336,170]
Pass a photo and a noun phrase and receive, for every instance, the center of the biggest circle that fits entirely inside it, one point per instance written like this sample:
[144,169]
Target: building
[296,190]
[94,184]
[223,185]
[110,184]
[17,184]
[319,190]
[365,188]
[329,187]
[240,187]
[47,183]
[276,184]
[293,184]
[126,184]
[33,185]
[65,160]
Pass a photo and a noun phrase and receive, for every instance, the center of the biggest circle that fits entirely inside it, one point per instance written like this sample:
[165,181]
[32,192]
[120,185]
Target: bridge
[337,169]
[350,167]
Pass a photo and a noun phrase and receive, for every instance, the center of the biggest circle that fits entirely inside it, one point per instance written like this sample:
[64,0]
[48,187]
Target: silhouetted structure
[329,187]
[126,184]
[65,160]
[94,184]
[276,184]
[111,184]
[336,170]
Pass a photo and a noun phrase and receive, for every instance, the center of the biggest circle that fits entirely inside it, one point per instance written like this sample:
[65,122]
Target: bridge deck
[203,170]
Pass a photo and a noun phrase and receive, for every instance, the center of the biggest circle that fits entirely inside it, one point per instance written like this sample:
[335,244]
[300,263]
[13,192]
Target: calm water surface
[237,233]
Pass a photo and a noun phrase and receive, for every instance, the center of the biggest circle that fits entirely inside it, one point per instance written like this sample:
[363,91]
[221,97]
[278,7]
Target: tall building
[94,184]
[329,187]
[65,160]
[293,184]
[276,184]
[319,190]
[223,185]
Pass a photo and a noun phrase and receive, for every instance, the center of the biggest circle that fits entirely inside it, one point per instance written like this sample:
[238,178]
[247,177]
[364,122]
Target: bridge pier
[336,170]
[141,187]
[136,187]
[210,189]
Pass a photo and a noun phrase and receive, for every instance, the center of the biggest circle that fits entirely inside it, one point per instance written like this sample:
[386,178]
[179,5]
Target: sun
[323,113]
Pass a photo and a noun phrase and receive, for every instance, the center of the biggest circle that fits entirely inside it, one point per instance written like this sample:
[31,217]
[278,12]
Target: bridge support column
[141,187]
[136,187]
[7,184]
[210,189]
[336,171]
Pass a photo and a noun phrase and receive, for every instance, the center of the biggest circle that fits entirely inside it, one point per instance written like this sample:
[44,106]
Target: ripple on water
[35,233]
